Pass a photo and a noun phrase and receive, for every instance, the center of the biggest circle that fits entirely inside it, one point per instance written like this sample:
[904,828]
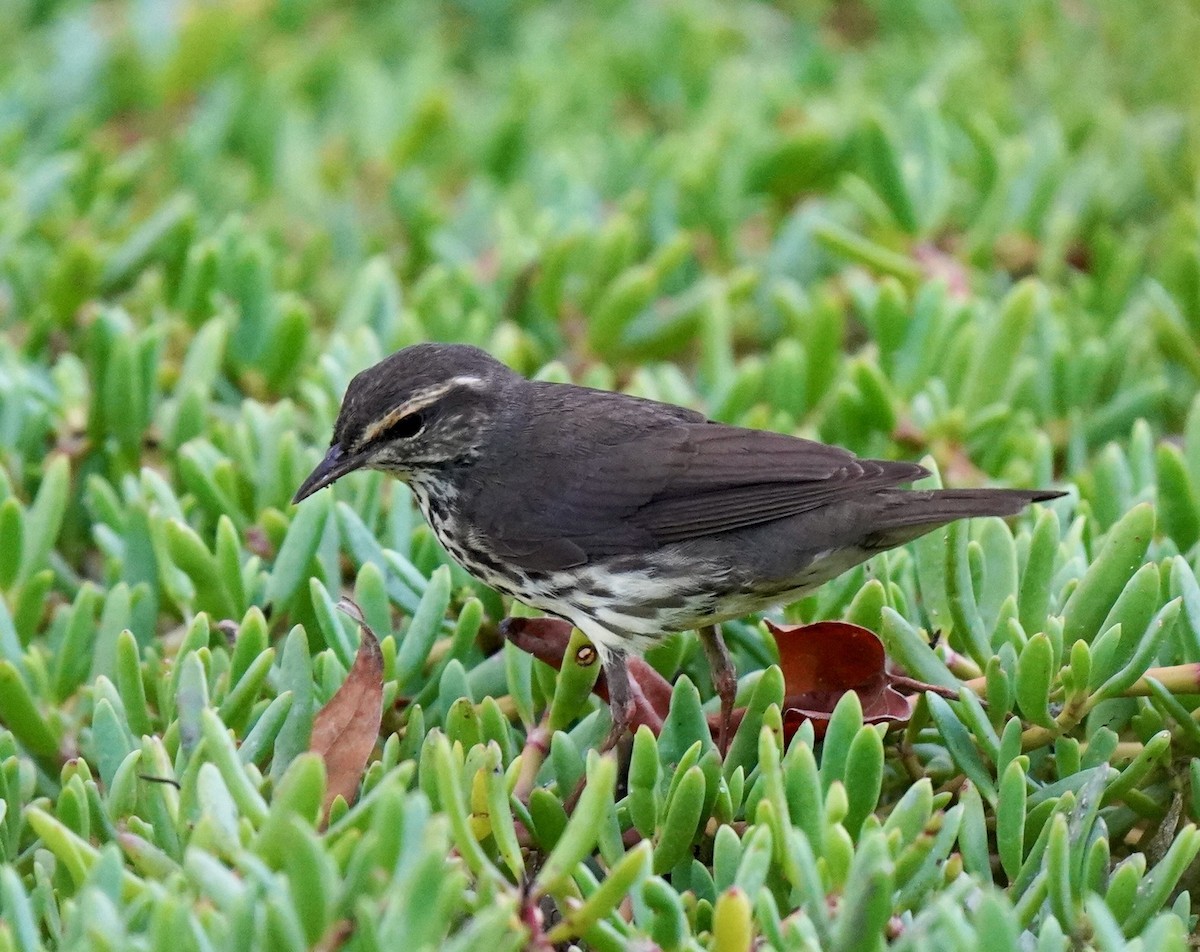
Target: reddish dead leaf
[544,638]
[346,728]
[822,661]
[827,656]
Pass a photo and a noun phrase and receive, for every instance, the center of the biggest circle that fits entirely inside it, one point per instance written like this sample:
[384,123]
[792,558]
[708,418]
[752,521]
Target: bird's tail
[908,514]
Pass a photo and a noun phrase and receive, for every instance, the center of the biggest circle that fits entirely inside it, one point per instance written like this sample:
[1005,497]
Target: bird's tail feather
[909,514]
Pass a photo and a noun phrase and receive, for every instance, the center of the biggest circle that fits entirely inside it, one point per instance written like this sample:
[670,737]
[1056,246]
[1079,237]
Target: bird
[629,518]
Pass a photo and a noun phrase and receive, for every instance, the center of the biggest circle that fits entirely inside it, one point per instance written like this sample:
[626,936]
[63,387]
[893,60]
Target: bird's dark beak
[336,464]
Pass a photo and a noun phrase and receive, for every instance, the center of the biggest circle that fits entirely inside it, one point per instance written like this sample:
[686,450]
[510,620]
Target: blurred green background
[813,211]
[964,230]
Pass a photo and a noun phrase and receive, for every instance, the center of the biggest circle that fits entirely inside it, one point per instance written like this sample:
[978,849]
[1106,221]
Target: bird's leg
[620,696]
[724,678]
[620,706]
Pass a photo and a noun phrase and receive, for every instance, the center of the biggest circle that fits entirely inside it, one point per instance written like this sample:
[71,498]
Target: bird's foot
[622,717]
[620,697]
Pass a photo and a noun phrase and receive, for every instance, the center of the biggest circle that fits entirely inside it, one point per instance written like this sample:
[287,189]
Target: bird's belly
[633,606]
[642,606]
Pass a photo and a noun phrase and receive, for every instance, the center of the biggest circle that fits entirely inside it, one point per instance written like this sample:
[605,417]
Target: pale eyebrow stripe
[417,403]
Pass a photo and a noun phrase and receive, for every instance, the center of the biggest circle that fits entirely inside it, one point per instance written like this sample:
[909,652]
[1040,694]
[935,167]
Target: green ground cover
[963,231]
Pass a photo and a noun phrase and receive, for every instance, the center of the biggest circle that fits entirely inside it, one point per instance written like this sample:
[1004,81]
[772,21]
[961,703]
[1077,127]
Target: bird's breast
[440,503]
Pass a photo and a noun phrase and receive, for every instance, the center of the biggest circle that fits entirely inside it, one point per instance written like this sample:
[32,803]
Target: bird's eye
[405,428]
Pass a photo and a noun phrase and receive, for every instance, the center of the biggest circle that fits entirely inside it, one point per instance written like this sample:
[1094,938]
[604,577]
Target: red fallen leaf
[346,728]
[824,660]
[820,662]
[544,638]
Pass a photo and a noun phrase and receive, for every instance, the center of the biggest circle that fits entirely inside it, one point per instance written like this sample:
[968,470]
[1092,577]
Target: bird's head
[423,406]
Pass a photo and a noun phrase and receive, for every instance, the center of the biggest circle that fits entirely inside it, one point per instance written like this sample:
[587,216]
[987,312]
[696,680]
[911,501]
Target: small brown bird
[629,518]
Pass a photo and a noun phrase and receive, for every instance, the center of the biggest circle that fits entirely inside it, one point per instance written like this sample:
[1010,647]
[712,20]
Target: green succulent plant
[957,231]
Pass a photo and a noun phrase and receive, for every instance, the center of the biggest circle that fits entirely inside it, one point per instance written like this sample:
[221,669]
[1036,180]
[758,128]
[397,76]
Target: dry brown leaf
[346,728]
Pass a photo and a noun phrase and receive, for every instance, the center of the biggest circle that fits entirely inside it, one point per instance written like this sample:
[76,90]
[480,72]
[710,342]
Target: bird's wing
[619,490]
[737,478]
